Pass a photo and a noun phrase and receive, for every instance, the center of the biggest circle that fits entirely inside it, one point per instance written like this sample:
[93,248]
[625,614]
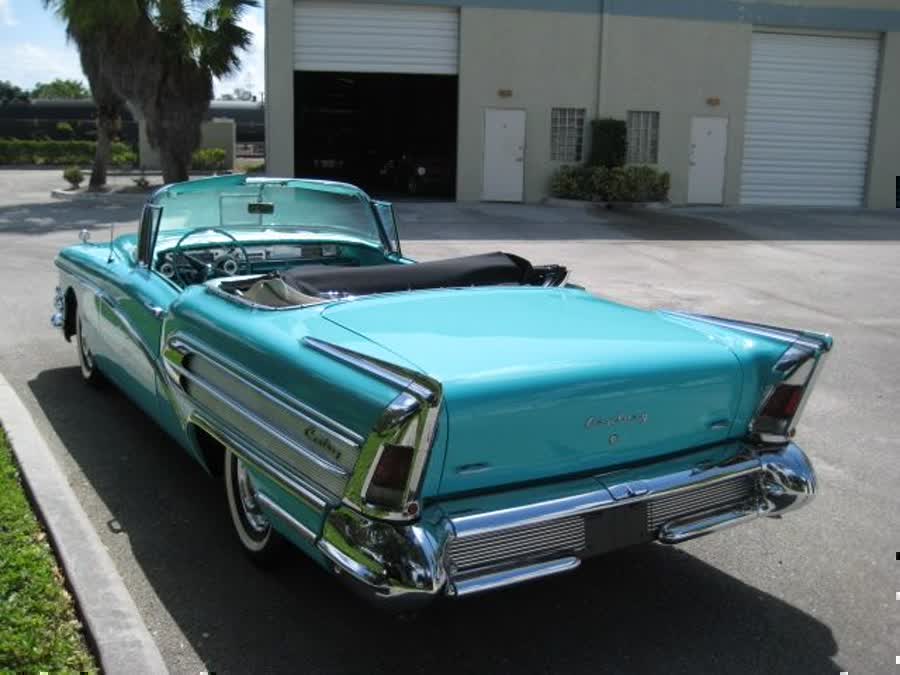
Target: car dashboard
[197,264]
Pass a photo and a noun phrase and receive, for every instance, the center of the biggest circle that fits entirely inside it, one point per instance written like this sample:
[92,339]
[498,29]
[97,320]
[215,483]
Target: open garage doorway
[392,134]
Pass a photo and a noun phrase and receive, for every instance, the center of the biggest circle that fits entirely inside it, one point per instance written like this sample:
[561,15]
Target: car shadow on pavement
[646,610]
[60,216]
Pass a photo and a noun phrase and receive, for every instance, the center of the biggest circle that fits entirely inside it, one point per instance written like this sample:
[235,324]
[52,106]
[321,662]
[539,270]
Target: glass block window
[643,137]
[567,134]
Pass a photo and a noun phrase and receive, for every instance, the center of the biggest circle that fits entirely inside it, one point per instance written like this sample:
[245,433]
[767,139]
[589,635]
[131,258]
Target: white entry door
[504,155]
[706,178]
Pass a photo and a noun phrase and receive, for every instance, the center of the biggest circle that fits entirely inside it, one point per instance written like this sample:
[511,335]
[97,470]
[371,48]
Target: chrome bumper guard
[406,566]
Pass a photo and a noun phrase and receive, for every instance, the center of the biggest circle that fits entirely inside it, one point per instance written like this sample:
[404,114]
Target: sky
[33,48]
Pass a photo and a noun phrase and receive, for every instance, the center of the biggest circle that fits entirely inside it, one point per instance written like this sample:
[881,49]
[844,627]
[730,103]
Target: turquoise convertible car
[434,429]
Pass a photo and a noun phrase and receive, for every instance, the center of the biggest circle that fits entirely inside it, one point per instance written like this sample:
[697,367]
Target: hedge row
[61,152]
[619,184]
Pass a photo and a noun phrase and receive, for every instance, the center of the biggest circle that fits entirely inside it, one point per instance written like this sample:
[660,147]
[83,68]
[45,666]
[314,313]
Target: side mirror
[388,218]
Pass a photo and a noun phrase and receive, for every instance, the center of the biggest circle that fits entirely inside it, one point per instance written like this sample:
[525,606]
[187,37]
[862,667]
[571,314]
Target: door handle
[155,310]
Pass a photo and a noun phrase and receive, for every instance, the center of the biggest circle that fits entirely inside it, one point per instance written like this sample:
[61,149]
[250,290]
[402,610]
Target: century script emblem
[637,418]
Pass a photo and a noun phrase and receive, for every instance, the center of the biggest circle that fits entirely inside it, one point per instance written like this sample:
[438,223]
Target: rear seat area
[489,269]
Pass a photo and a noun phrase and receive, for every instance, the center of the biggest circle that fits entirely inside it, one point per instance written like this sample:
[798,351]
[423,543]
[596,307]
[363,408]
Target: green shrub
[14,151]
[208,159]
[123,158]
[73,176]
[637,184]
[619,184]
[600,182]
[64,130]
[572,182]
[608,142]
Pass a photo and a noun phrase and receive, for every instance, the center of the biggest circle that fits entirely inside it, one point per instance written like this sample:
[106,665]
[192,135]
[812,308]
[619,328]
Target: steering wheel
[205,270]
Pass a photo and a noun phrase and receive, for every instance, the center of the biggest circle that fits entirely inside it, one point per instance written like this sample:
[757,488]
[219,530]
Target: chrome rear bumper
[463,547]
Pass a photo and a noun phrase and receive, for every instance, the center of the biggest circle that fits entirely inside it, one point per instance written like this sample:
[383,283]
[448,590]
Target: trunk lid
[548,382]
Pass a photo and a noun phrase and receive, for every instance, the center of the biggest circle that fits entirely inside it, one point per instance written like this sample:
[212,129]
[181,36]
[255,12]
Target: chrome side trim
[77,274]
[809,338]
[491,582]
[251,456]
[313,457]
[184,344]
[301,529]
[399,377]
[123,319]
[410,420]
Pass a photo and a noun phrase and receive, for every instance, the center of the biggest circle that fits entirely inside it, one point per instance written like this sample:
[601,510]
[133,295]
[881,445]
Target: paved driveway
[813,593]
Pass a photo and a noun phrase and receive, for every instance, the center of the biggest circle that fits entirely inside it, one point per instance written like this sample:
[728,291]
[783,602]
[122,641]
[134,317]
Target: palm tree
[161,57]
[109,109]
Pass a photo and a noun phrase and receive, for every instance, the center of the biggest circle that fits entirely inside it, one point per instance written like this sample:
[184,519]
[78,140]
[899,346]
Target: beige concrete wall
[884,164]
[215,133]
[279,87]
[547,60]
[674,67]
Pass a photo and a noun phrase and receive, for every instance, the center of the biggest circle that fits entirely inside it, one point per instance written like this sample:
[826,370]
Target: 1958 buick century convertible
[428,429]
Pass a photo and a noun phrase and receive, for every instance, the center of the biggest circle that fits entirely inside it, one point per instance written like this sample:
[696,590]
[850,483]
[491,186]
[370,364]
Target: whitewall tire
[259,541]
[86,360]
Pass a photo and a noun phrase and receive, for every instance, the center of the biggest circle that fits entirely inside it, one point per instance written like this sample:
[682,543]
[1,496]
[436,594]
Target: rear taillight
[390,476]
[776,420]
[783,402]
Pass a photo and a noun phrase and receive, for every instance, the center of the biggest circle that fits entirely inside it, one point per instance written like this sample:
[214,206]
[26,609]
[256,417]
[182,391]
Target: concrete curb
[121,640]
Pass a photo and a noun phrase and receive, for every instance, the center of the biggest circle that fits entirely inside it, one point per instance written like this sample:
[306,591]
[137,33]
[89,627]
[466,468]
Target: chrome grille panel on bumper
[694,501]
[568,535]
[563,535]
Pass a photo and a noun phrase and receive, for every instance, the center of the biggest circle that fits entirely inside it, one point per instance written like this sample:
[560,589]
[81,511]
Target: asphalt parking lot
[813,593]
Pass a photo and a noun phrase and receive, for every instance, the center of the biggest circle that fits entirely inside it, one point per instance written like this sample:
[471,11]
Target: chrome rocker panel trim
[403,566]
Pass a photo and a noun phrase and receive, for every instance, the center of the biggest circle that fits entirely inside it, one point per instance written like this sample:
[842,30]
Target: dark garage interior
[394,135]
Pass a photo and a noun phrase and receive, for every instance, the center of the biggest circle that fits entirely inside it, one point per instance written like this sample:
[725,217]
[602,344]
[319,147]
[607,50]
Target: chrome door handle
[155,310]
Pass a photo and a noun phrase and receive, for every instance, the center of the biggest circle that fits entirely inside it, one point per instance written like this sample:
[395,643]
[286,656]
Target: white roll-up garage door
[373,38]
[809,113]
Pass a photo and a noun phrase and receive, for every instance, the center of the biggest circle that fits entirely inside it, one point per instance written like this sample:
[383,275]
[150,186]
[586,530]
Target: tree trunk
[175,117]
[109,107]
[176,167]
[107,122]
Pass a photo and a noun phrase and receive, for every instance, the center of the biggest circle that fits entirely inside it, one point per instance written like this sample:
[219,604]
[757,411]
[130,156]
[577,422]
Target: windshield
[236,203]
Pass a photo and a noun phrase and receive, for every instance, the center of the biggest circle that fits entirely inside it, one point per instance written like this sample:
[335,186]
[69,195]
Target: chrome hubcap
[256,520]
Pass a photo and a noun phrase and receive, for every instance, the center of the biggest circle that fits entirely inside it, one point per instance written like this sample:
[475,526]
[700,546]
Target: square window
[643,137]
[567,134]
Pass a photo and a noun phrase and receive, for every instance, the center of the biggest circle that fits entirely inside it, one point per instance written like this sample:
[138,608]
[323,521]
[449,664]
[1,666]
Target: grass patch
[39,630]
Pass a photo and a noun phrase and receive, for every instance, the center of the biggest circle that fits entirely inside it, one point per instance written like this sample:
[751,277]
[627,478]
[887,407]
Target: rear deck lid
[547,382]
